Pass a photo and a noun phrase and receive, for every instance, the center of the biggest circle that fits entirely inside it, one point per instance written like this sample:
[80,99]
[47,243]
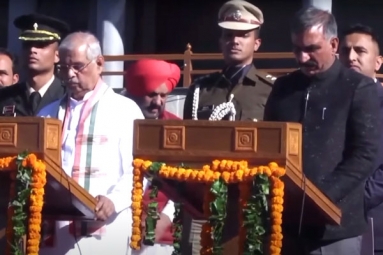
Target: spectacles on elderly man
[76,68]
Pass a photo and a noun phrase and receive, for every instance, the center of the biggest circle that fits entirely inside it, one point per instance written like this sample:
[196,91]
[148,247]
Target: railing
[188,56]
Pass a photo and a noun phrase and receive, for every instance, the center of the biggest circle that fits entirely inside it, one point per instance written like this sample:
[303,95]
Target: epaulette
[267,78]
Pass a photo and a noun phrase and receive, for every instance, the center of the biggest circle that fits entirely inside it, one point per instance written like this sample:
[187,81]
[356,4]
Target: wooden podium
[196,143]
[64,199]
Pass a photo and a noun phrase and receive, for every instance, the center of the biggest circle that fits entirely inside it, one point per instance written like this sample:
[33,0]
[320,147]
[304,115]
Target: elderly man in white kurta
[96,151]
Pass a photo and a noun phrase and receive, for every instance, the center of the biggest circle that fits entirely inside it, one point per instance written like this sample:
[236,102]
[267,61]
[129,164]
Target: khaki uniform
[250,95]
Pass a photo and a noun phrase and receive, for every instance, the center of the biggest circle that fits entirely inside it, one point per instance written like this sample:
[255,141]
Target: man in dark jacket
[339,112]
[359,51]
[40,37]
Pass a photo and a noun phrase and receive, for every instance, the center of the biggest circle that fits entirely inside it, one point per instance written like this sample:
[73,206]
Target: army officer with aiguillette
[238,92]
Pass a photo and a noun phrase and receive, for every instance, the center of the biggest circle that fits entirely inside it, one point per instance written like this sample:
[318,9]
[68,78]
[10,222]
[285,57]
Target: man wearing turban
[148,83]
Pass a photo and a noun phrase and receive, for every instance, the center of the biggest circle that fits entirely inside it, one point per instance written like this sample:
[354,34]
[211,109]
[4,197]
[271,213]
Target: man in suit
[359,50]
[8,68]
[40,37]
[340,115]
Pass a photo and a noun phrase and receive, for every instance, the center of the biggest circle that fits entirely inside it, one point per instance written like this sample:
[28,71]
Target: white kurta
[115,116]
[163,249]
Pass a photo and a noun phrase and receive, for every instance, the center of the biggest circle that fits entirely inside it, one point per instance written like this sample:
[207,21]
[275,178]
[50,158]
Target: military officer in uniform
[239,92]
[240,84]
[40,37]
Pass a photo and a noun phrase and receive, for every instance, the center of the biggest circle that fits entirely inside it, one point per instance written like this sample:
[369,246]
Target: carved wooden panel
[197,143]
[245,139]
[293,141]
[8,134]
[53,138]
[174,137]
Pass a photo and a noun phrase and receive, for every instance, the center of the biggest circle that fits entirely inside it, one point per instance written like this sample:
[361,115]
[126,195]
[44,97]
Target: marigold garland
[231,172]
[36,202]
[276,216]
[137,194]
[36,199]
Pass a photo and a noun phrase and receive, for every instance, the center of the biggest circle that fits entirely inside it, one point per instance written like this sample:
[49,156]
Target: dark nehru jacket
[341,138]
[374,188]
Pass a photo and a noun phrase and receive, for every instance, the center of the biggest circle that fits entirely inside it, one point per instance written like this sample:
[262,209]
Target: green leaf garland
[256,217]
[177,228]
[218,213]
[20,205]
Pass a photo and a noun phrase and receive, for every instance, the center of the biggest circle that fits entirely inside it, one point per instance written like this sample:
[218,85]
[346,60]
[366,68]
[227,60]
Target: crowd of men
[334,95]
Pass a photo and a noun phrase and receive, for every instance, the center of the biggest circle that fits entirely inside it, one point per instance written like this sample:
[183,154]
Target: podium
[64,198]
[196,143]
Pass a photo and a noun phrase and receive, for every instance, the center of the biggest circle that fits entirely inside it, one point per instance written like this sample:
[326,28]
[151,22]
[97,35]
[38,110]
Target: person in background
[340,115]
[40,38]
[8,68]
[359,50]
[102,165]
[148,83]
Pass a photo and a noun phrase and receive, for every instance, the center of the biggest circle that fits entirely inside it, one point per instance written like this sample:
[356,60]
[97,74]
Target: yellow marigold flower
[194,174]
[279,172]
[137,163]
[200,175]
[188,172]
[206,168]
[239,175]
[222,165]
[215,165]
[228,166]
[217,175]
[226,176]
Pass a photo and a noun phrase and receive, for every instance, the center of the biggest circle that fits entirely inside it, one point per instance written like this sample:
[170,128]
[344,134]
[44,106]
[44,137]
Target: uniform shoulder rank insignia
[268,78]
[9,110]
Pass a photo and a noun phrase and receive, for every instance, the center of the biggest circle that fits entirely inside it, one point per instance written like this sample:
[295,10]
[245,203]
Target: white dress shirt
[44,88]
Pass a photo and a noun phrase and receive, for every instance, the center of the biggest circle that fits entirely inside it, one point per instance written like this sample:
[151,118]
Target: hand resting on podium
[104,208]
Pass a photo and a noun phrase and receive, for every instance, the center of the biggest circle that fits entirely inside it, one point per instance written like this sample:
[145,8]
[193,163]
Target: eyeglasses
[77,68]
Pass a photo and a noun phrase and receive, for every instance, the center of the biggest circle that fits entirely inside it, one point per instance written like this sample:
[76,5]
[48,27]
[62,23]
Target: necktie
[34,101]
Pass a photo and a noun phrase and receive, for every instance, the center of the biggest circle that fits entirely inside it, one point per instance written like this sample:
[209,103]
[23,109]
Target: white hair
[90,41]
